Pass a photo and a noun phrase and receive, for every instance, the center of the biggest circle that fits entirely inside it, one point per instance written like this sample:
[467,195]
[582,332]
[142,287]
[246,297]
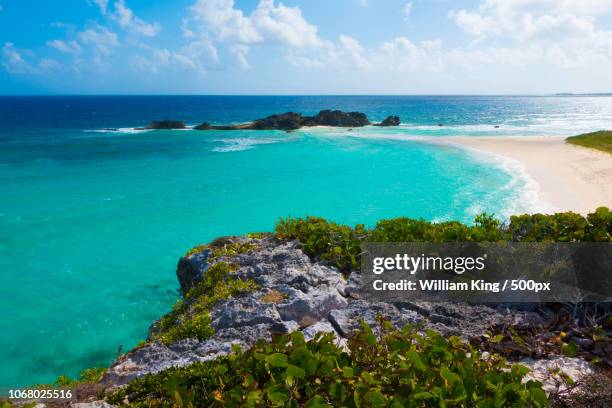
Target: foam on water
[237,144]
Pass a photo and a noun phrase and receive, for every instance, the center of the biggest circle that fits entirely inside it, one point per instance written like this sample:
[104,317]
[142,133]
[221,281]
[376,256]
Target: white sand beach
[570,178]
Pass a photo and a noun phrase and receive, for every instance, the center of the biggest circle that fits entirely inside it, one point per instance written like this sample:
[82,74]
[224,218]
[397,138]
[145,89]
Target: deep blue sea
[94,214]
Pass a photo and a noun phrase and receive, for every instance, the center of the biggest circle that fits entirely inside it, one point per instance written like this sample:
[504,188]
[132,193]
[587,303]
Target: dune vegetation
[601,140]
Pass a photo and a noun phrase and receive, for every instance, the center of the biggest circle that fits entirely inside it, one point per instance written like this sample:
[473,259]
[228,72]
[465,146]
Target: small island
[164,125]
[287,121]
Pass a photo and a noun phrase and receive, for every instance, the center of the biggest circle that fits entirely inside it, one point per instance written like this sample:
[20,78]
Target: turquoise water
[93,221]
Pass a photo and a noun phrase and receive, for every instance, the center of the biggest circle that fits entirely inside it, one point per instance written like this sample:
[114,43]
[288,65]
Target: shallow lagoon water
[93,221]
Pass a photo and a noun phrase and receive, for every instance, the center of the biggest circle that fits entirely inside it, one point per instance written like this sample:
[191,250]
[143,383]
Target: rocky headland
[292,292]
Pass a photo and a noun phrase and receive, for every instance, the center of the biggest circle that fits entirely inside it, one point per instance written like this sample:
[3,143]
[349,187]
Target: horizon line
[308,94]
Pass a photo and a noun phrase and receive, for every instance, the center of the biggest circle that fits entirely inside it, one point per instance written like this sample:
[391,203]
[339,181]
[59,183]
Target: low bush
[87,376]
[394,368]
[340,245]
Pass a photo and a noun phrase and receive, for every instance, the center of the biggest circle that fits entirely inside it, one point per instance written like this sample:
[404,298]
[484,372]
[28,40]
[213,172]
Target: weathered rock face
[314,298]
[390,121]
[191,269]
[575,368]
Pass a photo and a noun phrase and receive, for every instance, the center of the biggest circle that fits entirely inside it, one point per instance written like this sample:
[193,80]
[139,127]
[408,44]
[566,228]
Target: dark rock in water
[440,124]
[496,126]
[390,121]
[202,126]
[291,121]
[337,118]
[166,124]
[284,121]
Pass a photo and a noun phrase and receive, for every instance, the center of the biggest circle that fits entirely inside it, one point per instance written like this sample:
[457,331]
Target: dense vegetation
[340,245]
[405,368]
[601,140]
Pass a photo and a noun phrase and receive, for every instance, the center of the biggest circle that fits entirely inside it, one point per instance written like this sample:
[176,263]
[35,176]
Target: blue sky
[305,47]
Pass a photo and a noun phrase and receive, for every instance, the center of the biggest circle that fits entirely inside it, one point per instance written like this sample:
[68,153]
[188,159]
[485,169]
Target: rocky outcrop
[390,121]
[191,269]
[284,121]
[337,118]
[164,124]
[297,293]
[291,121]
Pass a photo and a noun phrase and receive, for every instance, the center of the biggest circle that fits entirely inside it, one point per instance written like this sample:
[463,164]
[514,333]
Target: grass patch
[601,140]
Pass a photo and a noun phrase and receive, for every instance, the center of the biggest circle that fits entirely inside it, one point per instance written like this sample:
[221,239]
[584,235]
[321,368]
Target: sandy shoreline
[569,178]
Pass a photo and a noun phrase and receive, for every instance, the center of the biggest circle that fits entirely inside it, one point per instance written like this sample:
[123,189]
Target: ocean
[94,215]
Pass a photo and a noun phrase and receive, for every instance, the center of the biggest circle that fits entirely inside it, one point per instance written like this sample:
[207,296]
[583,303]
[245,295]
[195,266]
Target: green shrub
[396,368]
[87,376]
[340,245]
[560,227]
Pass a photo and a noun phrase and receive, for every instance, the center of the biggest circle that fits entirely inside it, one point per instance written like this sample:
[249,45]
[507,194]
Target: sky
[305,47]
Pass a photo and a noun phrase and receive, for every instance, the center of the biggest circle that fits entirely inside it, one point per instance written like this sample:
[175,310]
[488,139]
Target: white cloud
[13,61]
[160,58]
[352,53]
[102,5]
[124,16]
[558,33]
[224,22]
[49,64]
[285,25]
[102,39]
[68,47]
[401,54]
[407,9]
[269,24]
[240,52]
[528,19]
[197,55]
[184,61]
